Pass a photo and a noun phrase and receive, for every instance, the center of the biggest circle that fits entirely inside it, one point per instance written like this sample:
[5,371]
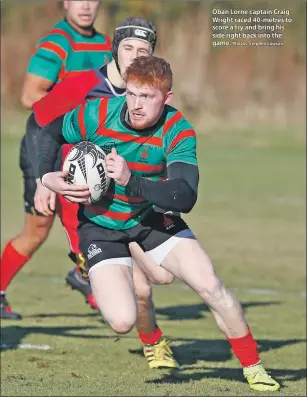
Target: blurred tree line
[212,84]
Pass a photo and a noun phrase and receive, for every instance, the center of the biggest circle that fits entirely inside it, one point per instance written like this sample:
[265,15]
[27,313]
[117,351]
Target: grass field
[250,217]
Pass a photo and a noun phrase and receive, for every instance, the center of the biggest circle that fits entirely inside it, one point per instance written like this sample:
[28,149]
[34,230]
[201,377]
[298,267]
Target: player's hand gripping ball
[85,164]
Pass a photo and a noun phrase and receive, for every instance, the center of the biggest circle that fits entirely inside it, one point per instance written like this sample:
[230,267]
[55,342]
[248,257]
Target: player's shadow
[180,376]
[12,336]
[189,351]
[94,314]
[198,310]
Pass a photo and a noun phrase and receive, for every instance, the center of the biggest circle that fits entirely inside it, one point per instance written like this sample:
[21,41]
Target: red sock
[246,350]
[152,338]
[11,262]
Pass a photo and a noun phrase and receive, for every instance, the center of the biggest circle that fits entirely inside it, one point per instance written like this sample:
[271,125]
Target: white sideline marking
[262,291]
[25,346]
[259,291]
[292,201]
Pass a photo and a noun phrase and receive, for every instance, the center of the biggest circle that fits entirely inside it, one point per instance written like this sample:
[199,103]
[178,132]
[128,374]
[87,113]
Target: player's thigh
[144,269]
[109,265]
[173,245]
[113,289]
[164,234]
[188,261]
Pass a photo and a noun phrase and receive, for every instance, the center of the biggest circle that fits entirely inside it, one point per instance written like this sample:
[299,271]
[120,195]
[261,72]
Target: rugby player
[144,122]
[133,37]
[72,46]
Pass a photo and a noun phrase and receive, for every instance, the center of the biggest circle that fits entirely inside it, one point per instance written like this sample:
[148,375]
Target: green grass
[250,217]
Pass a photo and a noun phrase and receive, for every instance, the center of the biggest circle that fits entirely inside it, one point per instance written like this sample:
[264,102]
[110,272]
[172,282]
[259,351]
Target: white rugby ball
[86,166]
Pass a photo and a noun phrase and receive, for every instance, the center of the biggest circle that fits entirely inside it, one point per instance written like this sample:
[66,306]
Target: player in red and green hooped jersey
[103,122]
[133,37]
[145,122]
[72,46]
[65,52]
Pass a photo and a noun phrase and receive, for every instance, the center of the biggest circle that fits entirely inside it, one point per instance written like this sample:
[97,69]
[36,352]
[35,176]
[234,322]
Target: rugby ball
[86,166]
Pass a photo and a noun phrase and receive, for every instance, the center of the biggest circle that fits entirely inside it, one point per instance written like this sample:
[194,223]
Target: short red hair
[151,70]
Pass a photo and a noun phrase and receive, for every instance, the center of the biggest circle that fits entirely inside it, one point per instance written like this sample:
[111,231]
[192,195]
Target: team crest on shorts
[168,223]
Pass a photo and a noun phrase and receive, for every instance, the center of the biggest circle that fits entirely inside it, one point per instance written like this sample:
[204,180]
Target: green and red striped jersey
[64,53]
[102,121]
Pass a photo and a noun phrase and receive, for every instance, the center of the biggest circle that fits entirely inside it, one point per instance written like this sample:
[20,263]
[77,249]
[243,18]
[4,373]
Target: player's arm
[78,125]
[44,68]
[49,140]
[34,88]
[178,193]
[63,98]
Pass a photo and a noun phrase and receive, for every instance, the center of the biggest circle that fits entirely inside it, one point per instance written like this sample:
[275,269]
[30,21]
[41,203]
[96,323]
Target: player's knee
[36,238]
[35,235]
[40,234]
[122,325]
[164,277]
[122,319]
[142,291]
[169,278]
[211,289]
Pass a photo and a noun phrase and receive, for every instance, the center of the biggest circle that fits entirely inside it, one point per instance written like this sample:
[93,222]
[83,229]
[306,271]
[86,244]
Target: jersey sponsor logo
[140,32]
[93,250]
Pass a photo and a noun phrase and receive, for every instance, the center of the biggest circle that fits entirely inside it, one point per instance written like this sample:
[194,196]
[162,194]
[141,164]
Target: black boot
[6,312]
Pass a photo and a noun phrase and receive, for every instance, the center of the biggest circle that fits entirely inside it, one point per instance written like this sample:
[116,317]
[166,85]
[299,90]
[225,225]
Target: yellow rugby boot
[259,380]
[160,355]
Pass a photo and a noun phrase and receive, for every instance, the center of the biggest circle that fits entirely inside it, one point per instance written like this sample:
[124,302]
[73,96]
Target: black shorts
[157,234]
[29,177]
[26,166]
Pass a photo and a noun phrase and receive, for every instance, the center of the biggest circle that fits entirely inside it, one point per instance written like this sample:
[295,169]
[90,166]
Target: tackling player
[144,122]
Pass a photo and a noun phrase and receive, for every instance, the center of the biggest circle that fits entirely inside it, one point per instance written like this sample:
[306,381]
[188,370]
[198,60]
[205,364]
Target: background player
[126,214]
[71,47]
